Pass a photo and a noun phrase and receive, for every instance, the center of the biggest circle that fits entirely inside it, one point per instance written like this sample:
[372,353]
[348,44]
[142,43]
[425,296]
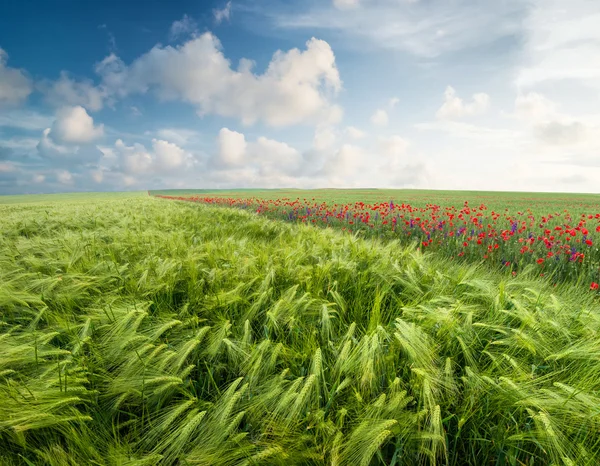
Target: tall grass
[143,332]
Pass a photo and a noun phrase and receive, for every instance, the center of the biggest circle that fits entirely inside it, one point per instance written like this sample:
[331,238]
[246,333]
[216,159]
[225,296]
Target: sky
[118,95]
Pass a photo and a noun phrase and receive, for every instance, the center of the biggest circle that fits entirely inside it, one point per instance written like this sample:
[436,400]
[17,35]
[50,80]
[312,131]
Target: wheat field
[141,331]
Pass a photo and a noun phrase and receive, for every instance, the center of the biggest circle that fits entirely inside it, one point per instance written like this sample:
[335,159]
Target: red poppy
[540,261]
[594,286]
[588,242]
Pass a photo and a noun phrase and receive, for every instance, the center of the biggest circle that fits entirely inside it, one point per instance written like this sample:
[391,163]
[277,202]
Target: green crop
[141,331]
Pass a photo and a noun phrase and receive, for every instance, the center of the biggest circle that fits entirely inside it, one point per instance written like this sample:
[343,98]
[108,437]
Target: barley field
[137,330]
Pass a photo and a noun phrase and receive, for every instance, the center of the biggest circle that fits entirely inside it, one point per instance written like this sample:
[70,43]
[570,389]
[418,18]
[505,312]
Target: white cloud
[388,165]
[180,136]
[324,138]
[66,155]
[346,165]
[265,159]
[168,155]
[425,29]
[15,85]
[223,13]
[164,158]
[534,107]
[455,107]
[346,4]
[73,125]
[355,133]
[393,102]
[232,147]
[394,146]
[48,148]
[550,126]
[294,88]
[133,159]
[274,157]
[562,41]
[380,118]
[38,178]
[182,27]
[135,111]
[66,91]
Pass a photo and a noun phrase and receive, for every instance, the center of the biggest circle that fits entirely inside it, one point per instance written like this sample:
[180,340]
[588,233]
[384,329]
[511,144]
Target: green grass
[69,197]
[544,202]
[140,331]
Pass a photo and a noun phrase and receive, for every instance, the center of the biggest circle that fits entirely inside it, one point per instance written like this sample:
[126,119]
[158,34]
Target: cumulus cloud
[222,13]
[232,147]
[380,118]
[454,107]
[275,157]
[66,155]
[262,157]
[136,160]
[182,27]
[15,85]
[73,125]
[345,164]
[67,91]
[295,88]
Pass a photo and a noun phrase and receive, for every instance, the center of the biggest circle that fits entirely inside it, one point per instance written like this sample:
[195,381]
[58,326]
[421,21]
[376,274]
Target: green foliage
[143,332]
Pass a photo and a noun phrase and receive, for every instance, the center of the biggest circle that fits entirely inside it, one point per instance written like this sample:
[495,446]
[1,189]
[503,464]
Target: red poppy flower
[540,261]
[594,286]
[588,242]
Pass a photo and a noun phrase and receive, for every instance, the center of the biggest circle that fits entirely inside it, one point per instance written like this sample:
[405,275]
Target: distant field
[68,197]
[418,198]
[141,331]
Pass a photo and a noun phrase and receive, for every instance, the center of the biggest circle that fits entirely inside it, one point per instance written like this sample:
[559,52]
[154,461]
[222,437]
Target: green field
[419,198]
[141,331]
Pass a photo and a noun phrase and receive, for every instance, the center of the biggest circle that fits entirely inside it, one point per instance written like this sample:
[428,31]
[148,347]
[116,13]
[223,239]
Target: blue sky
[442,94]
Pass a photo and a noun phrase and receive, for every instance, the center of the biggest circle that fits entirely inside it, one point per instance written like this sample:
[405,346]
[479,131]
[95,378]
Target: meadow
[136,330]
[505,231]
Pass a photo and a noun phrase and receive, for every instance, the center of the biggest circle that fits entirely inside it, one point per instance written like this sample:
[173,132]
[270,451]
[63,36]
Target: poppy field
[559,239]
[241,329]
